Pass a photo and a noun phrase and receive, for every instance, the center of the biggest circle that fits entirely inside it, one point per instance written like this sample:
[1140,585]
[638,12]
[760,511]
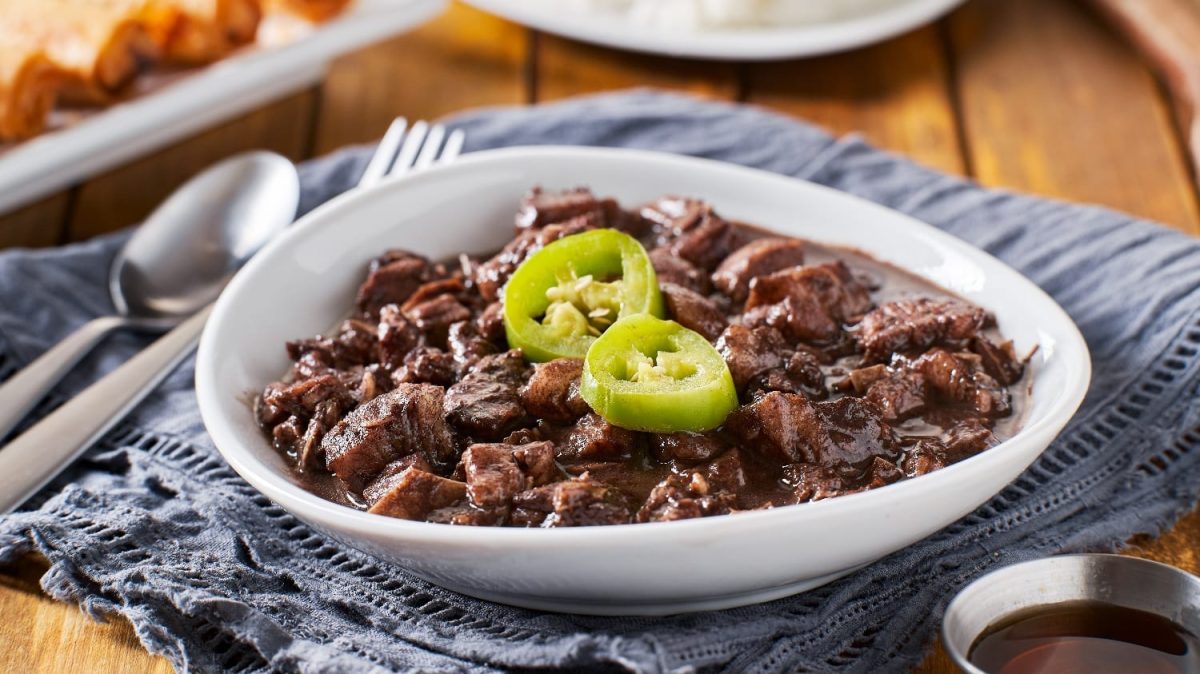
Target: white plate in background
[726,44]
[287,58]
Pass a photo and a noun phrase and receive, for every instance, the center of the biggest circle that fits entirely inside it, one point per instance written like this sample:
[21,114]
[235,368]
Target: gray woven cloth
[153,525]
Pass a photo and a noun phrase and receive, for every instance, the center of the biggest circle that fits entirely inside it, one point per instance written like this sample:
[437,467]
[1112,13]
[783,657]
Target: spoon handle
[42,452]
[26,388]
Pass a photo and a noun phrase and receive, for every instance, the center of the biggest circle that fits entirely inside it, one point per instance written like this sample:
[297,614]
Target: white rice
[711,14]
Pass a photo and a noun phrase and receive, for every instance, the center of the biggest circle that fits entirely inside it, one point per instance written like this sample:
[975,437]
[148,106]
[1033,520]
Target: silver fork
[49,446]
[405,150]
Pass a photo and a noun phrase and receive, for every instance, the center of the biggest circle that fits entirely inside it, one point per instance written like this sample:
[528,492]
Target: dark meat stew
[845,374]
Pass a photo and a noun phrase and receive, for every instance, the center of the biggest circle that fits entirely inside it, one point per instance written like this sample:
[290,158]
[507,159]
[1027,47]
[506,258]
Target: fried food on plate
[98,45]
[89,51]
[203,31]
[29,84]
[312,10]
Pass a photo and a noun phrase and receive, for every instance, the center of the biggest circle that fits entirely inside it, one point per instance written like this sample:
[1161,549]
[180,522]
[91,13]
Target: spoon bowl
[191,245]
[176,263]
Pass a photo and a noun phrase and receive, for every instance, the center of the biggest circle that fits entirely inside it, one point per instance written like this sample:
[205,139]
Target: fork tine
[453,148]
[433,143]
[408,151]
[385,154]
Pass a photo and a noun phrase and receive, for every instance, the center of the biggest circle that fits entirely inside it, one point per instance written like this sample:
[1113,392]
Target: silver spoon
[221,218]
[176,263]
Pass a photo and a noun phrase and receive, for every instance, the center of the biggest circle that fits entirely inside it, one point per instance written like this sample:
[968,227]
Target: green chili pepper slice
[568,293]
[648,374]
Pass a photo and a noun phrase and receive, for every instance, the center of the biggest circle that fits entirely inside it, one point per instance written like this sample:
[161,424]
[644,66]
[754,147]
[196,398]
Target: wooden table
[1032,95]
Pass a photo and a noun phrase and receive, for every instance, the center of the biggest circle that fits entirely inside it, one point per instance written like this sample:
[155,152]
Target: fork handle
[42,452]
[26,388]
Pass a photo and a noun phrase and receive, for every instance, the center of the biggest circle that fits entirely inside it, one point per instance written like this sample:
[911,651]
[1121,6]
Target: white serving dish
[304,283]
[728,44]
[167,107]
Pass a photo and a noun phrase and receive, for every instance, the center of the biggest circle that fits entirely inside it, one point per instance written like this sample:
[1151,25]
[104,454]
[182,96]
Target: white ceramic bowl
[303,283]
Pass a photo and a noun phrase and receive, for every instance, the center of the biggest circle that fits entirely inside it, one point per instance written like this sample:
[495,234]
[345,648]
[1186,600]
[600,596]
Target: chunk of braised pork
[575,502]
[552,392]
[396,337]
[493,476]
[540,208]
[708,244]
[415,494]
[999,360]
[536,460]
[593,438]
[686,448]
[392,278]
[684,497]
[265,414]
[760,257]
[910,326]
[694,311]
[526,435]
[300,437]
[404,421]
[301,398]
[671,269]
[898,392]
[426,365]
[882,472]
[781,427]
[672,216]
[490,324]
[726,472]
[691,230]
[760,359]
[362,382]
[313,365]
[807,304]
[354,344]
[308,450]
[435,316]
[959,377]
[493,274]
[485,403]
[286,434]
[453,286]
[812,482]
[391,473]
[465,515]
[750,352]
[789,428]
[964,439]
[467,346]
[921,459]
[495,473]
[800,374]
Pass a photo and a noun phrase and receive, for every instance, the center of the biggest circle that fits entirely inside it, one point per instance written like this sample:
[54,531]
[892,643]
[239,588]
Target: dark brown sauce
[1086,638]
[638,475]
[764,485]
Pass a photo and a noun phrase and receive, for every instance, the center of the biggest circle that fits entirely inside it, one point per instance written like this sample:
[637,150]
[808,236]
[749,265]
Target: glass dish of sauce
[1085,637]
[1077,613]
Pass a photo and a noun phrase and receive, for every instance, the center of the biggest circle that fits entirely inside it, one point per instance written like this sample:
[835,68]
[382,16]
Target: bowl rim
[1072,350]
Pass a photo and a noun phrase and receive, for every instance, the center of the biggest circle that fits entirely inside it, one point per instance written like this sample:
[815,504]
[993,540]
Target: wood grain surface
[898,95]
[1033,95]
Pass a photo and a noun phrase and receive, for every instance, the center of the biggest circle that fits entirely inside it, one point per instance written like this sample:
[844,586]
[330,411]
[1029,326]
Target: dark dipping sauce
[851,375]
[1086,638]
